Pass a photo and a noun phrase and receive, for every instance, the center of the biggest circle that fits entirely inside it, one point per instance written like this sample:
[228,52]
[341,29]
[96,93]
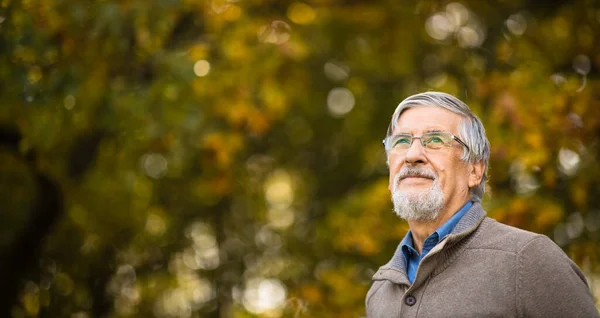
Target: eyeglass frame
[412,138]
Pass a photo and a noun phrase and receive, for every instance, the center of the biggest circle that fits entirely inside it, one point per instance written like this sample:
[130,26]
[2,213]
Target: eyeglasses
[430,141]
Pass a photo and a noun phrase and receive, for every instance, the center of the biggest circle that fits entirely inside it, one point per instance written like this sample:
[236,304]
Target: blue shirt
[412,257]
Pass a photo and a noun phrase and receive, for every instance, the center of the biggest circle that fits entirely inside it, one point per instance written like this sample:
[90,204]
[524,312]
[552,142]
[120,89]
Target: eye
[435,140]
[402,141]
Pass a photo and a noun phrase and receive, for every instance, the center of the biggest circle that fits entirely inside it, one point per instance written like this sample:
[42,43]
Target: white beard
[418,206]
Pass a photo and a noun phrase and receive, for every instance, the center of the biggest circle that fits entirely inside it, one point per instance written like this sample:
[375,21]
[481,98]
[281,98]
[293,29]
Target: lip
[416,177]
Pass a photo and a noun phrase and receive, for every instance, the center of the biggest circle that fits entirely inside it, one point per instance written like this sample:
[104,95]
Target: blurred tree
[222,158]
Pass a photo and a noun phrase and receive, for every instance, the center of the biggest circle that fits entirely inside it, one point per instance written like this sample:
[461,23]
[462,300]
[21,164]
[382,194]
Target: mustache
[415,172]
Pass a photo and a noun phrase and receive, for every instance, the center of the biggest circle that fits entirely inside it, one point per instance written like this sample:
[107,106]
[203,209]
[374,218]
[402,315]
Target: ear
[476,171]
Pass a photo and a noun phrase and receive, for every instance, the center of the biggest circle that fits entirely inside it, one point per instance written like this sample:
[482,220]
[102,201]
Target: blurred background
[223,158]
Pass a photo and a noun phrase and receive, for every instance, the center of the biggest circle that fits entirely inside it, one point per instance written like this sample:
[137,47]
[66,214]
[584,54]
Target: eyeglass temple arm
[461,142]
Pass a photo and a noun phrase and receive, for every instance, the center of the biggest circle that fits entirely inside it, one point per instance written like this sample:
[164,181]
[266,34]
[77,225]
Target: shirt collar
[395,269]
[447,227]
[441,232]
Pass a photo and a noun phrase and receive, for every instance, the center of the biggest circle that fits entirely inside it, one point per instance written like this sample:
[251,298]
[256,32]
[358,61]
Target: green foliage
[183,158]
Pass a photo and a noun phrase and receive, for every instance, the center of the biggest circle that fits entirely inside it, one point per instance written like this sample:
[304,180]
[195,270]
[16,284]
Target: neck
[422,229]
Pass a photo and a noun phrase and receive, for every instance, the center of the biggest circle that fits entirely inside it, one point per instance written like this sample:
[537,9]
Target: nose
[415,153]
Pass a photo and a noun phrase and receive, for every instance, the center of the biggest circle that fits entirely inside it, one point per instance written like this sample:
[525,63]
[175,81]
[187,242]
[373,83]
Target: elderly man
[455,261]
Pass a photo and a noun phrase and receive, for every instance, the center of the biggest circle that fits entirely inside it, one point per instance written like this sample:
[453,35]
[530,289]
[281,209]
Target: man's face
[443,169]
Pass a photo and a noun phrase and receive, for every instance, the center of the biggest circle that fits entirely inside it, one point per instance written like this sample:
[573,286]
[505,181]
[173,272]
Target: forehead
[419,119]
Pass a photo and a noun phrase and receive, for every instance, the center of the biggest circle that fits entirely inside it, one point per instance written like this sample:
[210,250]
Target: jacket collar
[395,269]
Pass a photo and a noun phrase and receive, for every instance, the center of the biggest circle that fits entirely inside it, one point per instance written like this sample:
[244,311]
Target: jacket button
[410,300]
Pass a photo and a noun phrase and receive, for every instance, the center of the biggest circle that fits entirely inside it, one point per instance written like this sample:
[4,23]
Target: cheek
[444,172]
[441,176]
[395,164]
[439,169]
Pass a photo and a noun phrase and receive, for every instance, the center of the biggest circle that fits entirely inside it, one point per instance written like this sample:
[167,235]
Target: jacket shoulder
[551,284]
[374,288]
[492,234]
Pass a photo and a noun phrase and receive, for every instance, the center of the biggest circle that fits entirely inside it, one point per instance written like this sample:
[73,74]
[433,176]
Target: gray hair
[471,129]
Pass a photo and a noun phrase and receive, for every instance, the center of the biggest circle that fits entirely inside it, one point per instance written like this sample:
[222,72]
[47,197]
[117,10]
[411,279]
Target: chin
[419,205]
[415,191]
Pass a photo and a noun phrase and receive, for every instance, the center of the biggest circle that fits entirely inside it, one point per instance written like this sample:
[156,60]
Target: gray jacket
[484,269]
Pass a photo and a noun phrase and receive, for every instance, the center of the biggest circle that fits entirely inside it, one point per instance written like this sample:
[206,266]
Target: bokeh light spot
[457,13]
[470,36]
[219,6]
[582,64]
[277,32]
[523,182]
[204,253]
[201,68]
[568,161]
[437,80]
[575,120]
[280,218]
[301,13]
[558,79]
[457,21]
[340,101]
[69,102]
[264,295]
[439,26]
[154,165]
[336,71]
[516,24]
[526,184]
[279,190]
[574,226]
[155,224]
